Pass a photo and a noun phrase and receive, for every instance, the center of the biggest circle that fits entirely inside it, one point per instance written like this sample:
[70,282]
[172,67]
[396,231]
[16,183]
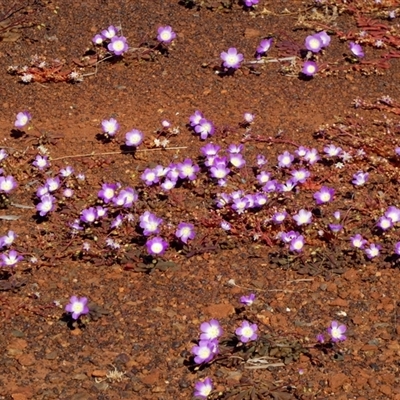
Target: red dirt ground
[145,314]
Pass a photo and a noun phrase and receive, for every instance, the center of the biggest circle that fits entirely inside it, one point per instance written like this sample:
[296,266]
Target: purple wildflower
[110,126]
[393,213]
[250,3]
[89,215]
[150,177]
[397,248]
[117,221]
[188,170]
[10,259]
[110,32]
[271,186]
[126,197]
[68,192]
[288,186]
[261,160]
[196,118]
[235,148]
[211,330]
[47,204]
[324,37]
[240,205]
[134,138]
[165,34]
[205,128]
[263,177]
[337,331]
[156,246]
[98,39]
[205,351]
[300,176]
[41,162]
[311,156]
[320,338]
[210,149]
[7,184]
[42,190]
[303,217]
[67,171]
[53,184]
[223,199]
[225,225]
[384,223]
[360,178]
[185,231]
[279,217]
[297,244]
[3,154]
[150,223]
[203,388]
[168,184]
[285,159]
[237,160]
[232,58]
[247,332]
[22,119]
[356,49]
[310,68]
[358,241]
[302,151]
[260,199]
[107,192]
[77,306]
[118,45]
[248,300]
[7,240]
[248,117]
[219,170]
[264,46]
[373,251]
[332,151]
[287,237]
[313,43]
[335,227]
[324,195]
[101,211]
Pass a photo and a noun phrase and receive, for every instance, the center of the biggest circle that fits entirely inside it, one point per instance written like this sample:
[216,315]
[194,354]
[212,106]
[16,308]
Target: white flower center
[247,332]
[118,45]
[77,307]
[156,248]
[166,35]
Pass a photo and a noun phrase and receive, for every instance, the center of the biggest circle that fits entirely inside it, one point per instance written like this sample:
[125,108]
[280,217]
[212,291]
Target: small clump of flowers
[117,45]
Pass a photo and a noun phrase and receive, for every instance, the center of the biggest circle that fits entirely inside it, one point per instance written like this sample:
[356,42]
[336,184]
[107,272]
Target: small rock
[339,302]
[26,359]
[386,390]
[79,377]
[19,396]
[219,310]
[99,373]
[337,380]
